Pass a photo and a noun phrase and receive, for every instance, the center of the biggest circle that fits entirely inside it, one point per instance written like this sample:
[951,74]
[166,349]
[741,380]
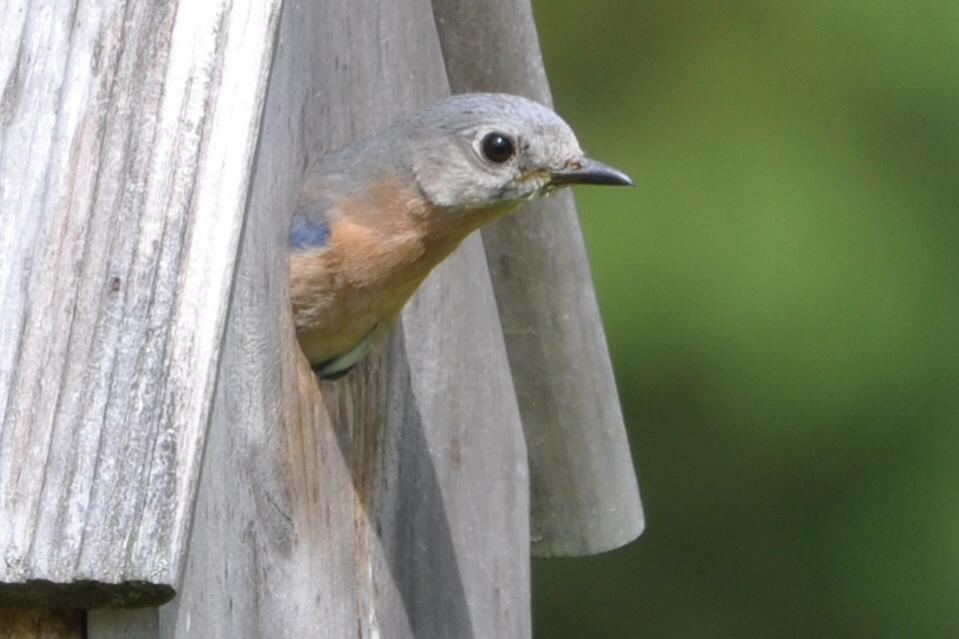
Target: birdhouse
[169,464]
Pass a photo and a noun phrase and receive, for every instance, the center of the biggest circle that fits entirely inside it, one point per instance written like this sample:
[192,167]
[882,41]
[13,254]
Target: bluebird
[371,221]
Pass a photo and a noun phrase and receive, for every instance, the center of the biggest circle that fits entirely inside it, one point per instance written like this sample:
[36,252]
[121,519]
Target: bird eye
[497,148]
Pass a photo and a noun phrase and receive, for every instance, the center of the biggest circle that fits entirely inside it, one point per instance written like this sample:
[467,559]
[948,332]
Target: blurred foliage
[781,294]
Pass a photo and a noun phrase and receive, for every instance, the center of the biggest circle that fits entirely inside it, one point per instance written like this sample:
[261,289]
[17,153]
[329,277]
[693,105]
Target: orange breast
[380,249]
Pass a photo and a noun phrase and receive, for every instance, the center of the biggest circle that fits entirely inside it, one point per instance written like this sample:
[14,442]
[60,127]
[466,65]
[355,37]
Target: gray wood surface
[128,132]
[113,623]
[584,493]
[392,503]
[149,157]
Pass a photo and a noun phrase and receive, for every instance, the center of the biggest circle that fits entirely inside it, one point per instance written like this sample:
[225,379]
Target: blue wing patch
[306,234]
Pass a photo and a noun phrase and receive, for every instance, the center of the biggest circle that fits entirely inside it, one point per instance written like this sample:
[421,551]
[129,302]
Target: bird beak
[588,171]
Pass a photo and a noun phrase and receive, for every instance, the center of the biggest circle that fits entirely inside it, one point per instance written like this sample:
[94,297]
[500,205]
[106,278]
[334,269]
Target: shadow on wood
[40,623]
[402,507]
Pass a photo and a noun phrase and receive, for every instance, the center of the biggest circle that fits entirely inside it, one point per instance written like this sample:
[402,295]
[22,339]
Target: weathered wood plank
[470,577]
[584,494]
[127,137]
[392,503]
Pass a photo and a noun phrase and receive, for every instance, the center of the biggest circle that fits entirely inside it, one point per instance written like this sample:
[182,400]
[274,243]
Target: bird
[373,219]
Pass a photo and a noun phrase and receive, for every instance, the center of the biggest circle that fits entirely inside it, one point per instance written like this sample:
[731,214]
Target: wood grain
[149,158]
[585,498]
[391,503]
[128,132]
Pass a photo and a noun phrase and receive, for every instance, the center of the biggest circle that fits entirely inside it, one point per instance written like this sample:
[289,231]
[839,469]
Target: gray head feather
[441,149]
[449,164]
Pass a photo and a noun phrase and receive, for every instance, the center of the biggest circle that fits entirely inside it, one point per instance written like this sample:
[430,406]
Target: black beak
[588,171]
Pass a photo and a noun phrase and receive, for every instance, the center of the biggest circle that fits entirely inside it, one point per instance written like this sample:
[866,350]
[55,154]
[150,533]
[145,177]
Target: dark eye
[497,148]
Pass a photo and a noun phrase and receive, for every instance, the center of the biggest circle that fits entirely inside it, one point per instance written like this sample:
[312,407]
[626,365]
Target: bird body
[373,220]
[379,247]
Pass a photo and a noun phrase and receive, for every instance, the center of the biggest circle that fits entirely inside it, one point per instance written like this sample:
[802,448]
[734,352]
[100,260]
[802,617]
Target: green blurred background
[780,294]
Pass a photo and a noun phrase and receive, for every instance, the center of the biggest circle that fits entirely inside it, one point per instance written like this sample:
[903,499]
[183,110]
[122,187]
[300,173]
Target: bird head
[492,151]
